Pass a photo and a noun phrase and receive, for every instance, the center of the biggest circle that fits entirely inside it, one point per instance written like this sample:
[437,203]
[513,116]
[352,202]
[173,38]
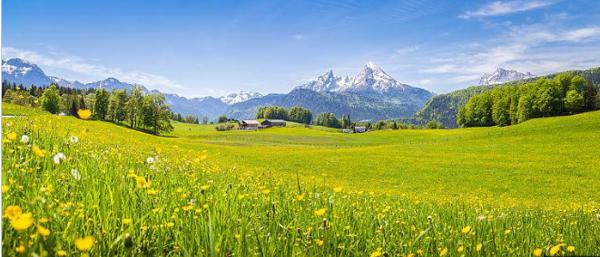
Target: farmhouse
[249,124]
[272,123]
[360,129]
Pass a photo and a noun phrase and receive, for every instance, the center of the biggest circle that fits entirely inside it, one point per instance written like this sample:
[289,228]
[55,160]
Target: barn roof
[270,120]
[254,122]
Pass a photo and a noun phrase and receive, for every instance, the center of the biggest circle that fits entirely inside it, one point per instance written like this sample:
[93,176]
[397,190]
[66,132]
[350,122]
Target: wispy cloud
[298,36]
[406,50]
[503,8]
[79,65]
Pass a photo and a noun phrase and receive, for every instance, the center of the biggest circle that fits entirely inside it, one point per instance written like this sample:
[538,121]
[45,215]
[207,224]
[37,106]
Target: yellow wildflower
[20,249]
[43,231]
[479,246]
[84,114]
[320,212]
[142,182]
[300,198]
[554,250]
[337,189]
[466,230]
[377,253]
[571,249]
[37,151]
[11,136]
[537,252]
[126,221]
[12,212]
[266,191]
[152,192]
[444,251]
[460,249]
[61,253]
[320,242]
[5,188]
[84,244]
[22,222]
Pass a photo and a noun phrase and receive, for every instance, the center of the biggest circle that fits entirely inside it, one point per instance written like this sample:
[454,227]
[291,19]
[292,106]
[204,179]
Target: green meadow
[526,190]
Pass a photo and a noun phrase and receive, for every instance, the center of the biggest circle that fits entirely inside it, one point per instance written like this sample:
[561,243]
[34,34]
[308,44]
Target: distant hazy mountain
[370,95]
[502,76]
[242,96]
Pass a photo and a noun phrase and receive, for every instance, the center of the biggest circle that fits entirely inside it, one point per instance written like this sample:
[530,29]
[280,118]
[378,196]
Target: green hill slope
[444,108]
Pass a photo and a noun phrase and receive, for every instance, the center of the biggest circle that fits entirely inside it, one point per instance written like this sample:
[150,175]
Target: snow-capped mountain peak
[23,72]
[503,75]
[242,96]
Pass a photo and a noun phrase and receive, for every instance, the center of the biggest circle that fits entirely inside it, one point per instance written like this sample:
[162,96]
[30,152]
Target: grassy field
[514,191]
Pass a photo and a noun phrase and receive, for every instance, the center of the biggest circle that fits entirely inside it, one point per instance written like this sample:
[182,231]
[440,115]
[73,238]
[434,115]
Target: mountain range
[372,94]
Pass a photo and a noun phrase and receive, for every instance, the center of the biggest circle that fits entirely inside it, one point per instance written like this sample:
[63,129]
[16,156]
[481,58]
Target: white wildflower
[150,160]
[59,157]
[75,174]
[25,139]
[74,139]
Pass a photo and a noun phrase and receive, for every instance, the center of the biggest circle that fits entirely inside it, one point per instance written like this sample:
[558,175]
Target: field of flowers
[86,188]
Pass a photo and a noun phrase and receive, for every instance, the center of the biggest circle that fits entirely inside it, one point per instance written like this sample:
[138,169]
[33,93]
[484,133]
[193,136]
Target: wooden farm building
[249,124]
[272,123]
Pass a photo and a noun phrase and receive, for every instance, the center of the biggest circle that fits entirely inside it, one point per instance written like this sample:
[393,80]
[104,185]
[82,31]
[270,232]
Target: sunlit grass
[300,191]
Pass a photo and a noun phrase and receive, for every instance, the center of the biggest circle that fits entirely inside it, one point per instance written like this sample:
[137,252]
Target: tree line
[566,93]
[294,114]
[137,109]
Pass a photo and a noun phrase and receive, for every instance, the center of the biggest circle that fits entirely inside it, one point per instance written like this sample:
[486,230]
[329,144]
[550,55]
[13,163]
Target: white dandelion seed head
[25,139]
[429,218]
[150,160]
[74,139]
[75,174]
[59,157]
[481,217]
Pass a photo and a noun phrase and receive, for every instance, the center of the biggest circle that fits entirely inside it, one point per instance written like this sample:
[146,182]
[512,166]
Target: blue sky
[198,48]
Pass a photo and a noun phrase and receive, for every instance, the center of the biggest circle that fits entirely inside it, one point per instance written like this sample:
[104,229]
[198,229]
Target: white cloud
[406,50]
[78,65]
[581,34]
[503,8]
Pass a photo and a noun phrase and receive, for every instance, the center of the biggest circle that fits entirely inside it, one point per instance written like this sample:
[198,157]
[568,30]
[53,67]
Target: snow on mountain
[502,75]
[23,72]
[372,78]
[242,96]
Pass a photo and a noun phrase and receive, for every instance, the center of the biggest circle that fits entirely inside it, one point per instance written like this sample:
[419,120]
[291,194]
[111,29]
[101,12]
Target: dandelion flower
[84,244]
[126,221]
[58,158]
[20,249]
[320,242]
[11,136]
[444,251]
[554,250]
[571,249]
[300,198]
[466,230]
[479,246]
[537,252]
[75,174]
[150,160]
[61,253]
[22,222]
[43,231]
[25,139]
[84,114]
[460,249]
[37,151]
[5,188]
[320,212]
[12,212]
[74,139]
[377,253]
[142,182]
[337,189]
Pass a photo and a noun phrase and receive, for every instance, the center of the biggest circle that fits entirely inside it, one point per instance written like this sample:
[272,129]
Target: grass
[301,191]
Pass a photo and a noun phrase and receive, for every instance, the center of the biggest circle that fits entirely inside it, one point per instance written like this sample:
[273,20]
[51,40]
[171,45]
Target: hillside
[123,191]
[444,107]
